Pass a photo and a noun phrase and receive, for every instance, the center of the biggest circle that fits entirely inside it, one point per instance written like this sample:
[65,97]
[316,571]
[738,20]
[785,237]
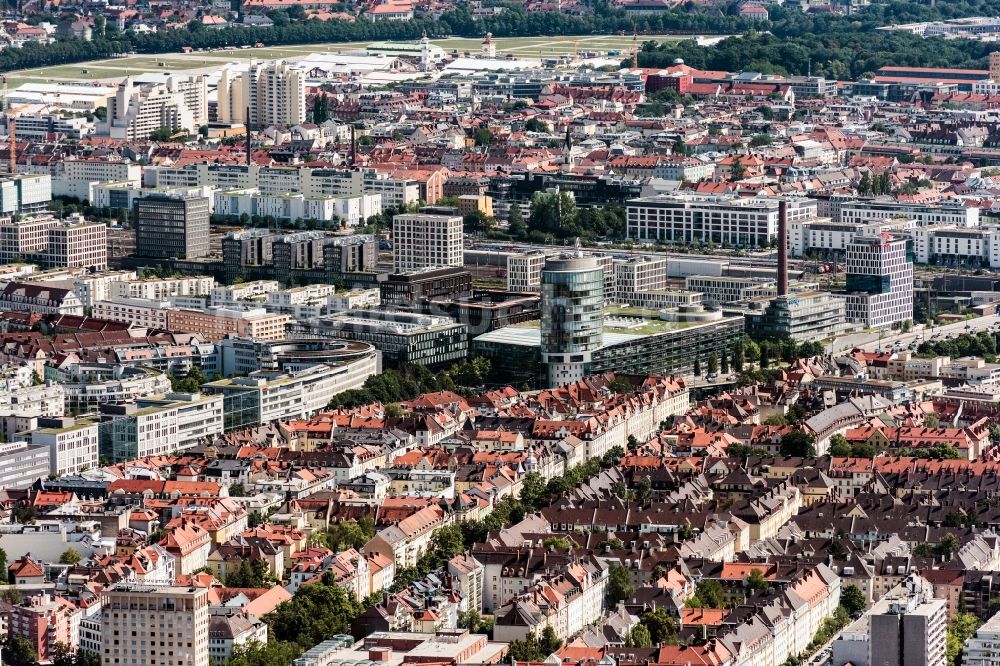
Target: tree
[315,613]
[947,547]
[483,137]
[18,651]
[25,515]
[798,444]
[839,446]
[853,599]
[162,133]
[70,556]
[756,582]
[250,574]
[271,653]
[708,594]
[713,363]
[515,222]
[737,171]
[697,367]
[447,541]
[931,421]
[639,637]
[3,560]
[536,125]
[237,490]
[960,629]
[549,642]
[662,628]
[620,385]
[619,587]
[725,363]
[738,357]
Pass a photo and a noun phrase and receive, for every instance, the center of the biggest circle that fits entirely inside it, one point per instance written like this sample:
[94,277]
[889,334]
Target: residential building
[170,227]
[136,112]
[274,93]
[39,298]
[983,648]
[142,625]
[52,243]
[45,620]
[21,464]
[422,240]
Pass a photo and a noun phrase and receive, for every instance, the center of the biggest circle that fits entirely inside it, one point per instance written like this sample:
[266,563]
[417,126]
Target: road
[871,341]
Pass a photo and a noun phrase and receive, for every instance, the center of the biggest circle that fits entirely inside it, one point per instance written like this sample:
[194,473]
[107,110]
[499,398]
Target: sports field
[113,69]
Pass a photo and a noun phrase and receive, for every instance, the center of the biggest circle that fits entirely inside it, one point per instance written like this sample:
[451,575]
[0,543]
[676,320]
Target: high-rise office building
[170,227]
[143,625]
[422,240]
[879,280]
[273,92]
[911,630]
[572,316]
[22,194]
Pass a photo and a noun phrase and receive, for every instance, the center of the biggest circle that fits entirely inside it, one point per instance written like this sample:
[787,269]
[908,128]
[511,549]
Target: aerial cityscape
[500,332]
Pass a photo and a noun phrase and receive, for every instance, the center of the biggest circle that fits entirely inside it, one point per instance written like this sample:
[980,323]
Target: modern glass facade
[572,316]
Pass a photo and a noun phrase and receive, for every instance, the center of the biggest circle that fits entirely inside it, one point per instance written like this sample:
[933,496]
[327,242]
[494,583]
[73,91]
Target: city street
[872,341]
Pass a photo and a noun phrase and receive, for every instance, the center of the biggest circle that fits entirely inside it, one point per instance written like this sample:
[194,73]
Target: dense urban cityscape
[525,332]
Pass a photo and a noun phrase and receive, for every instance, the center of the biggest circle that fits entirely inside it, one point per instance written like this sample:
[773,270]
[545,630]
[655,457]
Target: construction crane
[11,129]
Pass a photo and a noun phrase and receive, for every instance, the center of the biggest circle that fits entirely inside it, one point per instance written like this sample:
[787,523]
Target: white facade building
[426,241]
[879,281]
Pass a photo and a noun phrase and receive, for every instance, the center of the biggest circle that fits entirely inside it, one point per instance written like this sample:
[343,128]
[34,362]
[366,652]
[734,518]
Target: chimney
[247,127]
[354,147]
[782,248]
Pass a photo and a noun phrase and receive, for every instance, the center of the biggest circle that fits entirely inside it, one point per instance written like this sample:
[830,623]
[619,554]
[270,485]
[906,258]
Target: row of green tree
[837,47]
[395,385]
[555,216]
[513,21]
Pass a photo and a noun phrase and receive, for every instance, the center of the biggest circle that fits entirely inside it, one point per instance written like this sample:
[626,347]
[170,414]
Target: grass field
[113,69]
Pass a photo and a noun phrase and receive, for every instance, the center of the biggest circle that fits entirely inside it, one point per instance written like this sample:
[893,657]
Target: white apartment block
[866,212]
[264,398]
[136,112]
[945,243]
[163,288]
[40,126]
[879,281]
[73,447]
[300,295]
[670,167]
[244,292]
[639,274]
[41,400]
[983,649]
[524,271]
[93,288]
[352,210]
[722,220]
[723,289]
[825,235]
[425,241]
[78,175]
[145,624]
[23,194]
[274,93]
[142,313]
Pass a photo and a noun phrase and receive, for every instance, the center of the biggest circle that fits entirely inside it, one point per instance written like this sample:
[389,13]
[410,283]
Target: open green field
[113,69]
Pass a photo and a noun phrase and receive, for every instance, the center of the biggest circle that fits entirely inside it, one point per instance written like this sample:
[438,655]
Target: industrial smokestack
[249,148]
[354,147]
[782,248]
